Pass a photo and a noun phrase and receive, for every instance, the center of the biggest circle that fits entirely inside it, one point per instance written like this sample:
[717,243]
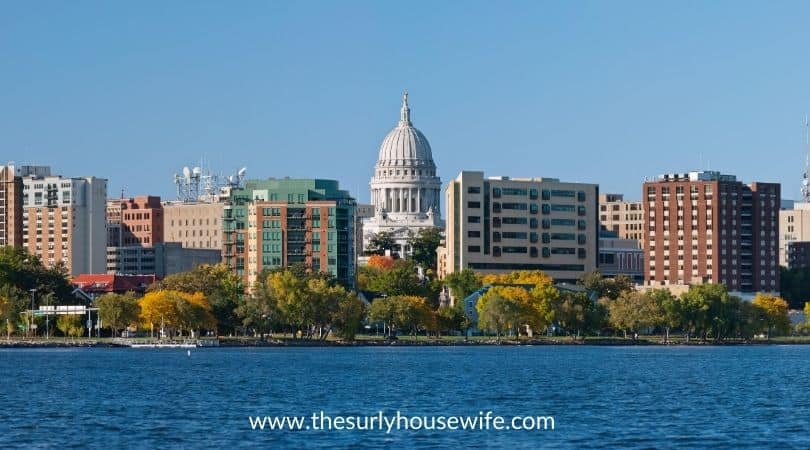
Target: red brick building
[706,227]
[98,284]
[134,221]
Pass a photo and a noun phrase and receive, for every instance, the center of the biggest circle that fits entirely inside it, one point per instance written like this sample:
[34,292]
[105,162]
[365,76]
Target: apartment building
[625,218]
[708,227]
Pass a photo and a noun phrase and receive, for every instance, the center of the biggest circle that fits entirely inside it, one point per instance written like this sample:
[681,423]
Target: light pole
[31,319]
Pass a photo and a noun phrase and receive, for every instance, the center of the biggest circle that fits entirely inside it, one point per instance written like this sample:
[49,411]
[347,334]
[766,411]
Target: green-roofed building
[281,222]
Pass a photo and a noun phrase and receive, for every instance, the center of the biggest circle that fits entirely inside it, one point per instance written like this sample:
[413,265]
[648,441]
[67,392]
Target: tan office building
[195,225]
[624,218]
[794,226]
[502,224]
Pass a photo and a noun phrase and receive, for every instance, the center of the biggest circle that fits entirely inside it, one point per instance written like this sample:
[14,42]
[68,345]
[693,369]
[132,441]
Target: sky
[606,92]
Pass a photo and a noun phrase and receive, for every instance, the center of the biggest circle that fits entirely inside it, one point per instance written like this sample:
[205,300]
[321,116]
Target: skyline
[714,86]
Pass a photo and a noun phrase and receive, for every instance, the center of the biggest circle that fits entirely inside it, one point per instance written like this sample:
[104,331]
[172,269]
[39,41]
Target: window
[474,190]
[546,224]
[474,205]
[546,194]
[533,208]
[581,239]
[515,191]
[496,207]
[581,254]
[496,251]
[581,196]
[474,249]
[496,222]
[533,237]
[546,209]
[580,210]
[533,252]
[496,192]
[546,238]
[581,224]
[496,237]
[474,234]
[532,223]
[473,219]
[533,195]
[546,252]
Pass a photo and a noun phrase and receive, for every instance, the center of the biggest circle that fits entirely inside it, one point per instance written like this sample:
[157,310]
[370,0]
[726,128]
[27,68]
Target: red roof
[91,283]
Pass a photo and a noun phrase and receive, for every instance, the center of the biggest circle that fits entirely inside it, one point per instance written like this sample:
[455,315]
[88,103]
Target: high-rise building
[193,224]
[405,189]
[502,224]
[794,226]
[281,222]
[134,227]
[708,227]
[64,220]
[10,206]
[625,218]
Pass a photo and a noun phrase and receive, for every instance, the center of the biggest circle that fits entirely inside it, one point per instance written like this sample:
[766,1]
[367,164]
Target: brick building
[708,227]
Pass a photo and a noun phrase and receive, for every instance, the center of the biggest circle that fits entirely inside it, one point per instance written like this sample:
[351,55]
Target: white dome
[405,146]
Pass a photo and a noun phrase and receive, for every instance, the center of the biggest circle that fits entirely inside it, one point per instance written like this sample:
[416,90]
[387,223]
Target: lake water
[620,397]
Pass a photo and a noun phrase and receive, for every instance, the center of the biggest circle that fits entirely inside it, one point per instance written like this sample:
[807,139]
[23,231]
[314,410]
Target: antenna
[805,181]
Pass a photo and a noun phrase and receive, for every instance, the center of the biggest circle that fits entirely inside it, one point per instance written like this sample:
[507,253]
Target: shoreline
[276,343]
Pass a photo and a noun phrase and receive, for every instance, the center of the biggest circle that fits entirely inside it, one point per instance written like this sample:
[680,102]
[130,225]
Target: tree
[259,310]
[669,310]
[383,310]
[634,311]
[349,316]
[218,283]
[118,311]
[497,314]
[794,285]
[177,311]
[423,247]
[577,314]
[70,325]
[382,242]
[12,304]
[610,288]
[25,271]
[462,284]
[773,312]
[401,279]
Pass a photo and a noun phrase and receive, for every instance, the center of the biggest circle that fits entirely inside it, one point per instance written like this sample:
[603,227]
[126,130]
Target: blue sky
[603,92]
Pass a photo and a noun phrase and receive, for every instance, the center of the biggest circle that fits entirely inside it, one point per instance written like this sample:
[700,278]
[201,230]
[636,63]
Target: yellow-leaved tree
[176,311]
[773,312]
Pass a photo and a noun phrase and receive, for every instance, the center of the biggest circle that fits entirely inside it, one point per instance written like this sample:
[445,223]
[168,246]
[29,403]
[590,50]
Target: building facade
[798,254]
[134,221]
[10,206]
[794,226]
[64,220]
[619,256]
[405,188]
[624,218]
[500,224]
[706,227]
[281,222]
[162,259]
[193,224]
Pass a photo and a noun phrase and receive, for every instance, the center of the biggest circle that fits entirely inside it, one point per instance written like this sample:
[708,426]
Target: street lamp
[31,319]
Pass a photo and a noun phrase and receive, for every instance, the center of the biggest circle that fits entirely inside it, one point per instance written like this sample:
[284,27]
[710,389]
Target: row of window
[498,251]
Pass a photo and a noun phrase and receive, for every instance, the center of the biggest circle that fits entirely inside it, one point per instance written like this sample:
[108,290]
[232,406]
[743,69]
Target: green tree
[383,310]
[24,271]
[348,317]
[118,311]
[497,314]
[423,247]
[603,287]
[577,314]
[401,279]
[462,284]
[380,242]
[12,304]
[259,311]
[70,325]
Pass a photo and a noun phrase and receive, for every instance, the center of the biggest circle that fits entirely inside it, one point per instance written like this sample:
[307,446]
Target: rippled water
[621,397]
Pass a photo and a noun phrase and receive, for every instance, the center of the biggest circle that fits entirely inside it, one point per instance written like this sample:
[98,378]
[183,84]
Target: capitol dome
[405,146]
[405,186]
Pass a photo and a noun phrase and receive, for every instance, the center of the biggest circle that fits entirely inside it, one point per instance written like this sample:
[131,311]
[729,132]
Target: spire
[405,112]
[806,174]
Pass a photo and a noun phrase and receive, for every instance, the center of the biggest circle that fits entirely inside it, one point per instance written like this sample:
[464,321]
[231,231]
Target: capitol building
[405,189]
